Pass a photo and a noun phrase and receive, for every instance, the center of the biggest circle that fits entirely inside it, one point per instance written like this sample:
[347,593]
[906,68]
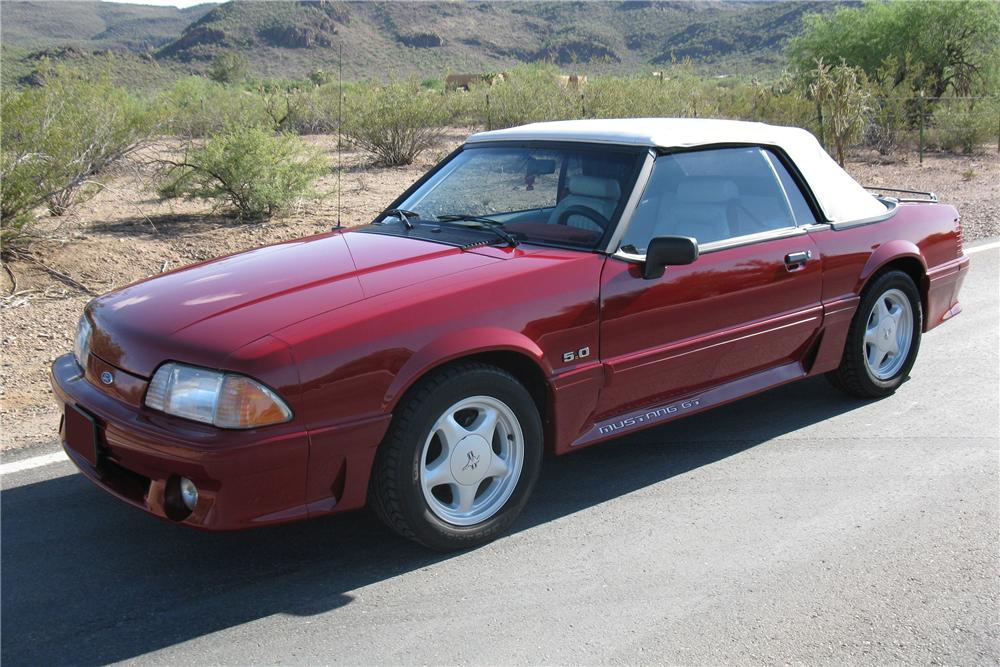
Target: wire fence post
[583,107]
[819,117]
[920,110]
[489,120]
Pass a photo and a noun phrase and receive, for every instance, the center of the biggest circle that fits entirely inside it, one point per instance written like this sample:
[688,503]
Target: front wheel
[883,340]
[460,459]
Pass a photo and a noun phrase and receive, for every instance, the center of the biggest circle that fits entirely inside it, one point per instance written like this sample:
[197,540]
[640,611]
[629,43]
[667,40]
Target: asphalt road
[795,526]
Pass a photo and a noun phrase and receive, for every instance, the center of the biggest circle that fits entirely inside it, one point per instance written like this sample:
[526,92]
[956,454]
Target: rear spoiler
[920,194]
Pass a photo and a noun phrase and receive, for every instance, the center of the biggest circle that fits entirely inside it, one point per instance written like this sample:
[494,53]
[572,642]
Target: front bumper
[245,478]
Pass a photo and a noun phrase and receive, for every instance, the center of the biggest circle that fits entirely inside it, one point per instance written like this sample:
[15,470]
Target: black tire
[853,376]
[395,492]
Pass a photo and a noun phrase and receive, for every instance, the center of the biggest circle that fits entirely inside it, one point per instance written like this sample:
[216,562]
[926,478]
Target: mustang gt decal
[647,417]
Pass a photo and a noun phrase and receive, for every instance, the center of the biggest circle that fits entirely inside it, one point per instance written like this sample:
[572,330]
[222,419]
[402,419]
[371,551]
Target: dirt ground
[125,233]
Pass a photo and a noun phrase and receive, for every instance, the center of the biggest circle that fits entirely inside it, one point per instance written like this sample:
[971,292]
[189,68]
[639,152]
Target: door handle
[795,260]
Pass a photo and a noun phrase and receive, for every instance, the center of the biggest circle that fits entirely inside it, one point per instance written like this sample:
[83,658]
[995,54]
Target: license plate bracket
[80,434]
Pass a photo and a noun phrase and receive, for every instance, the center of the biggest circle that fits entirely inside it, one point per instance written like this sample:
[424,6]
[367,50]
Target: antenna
[340,121]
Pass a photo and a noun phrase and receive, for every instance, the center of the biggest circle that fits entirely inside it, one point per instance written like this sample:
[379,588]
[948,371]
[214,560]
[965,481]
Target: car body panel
[344,324]
[731,313]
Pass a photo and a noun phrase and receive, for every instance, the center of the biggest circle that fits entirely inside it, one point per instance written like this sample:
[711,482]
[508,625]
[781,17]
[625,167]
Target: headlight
[81,344]
[225,400]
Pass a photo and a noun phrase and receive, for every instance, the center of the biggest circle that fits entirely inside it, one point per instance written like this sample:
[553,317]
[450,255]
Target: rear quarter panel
[927,235]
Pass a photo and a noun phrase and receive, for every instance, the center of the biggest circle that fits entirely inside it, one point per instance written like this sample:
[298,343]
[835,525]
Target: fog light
[189,493]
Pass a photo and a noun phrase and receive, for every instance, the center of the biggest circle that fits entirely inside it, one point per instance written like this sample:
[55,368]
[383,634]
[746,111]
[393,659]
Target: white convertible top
[839,195]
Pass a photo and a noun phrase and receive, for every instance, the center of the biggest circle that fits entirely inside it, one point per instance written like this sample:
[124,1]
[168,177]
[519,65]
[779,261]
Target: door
[750,302]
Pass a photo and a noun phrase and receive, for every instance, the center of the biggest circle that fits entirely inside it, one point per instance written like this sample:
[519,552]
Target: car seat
[600,194]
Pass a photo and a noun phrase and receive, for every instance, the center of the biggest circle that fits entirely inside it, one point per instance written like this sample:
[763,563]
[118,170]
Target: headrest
[706,190]
[591,186]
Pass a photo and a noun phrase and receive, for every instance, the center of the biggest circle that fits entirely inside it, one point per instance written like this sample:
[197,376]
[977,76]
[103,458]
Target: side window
[710,195]
[803,214]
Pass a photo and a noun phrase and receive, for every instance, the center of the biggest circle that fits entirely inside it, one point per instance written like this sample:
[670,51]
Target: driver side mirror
[664,251]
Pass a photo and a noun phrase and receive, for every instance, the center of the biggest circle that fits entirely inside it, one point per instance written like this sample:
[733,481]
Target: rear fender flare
[456,345]
[889,252]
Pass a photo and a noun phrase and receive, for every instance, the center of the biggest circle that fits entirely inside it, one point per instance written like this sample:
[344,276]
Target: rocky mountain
[381,39]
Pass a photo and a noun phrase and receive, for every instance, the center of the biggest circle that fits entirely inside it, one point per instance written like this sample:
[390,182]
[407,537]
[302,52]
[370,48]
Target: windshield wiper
[494,226]
[403,215]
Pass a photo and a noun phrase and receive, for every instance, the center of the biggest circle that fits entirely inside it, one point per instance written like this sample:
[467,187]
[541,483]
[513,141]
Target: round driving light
[189,493]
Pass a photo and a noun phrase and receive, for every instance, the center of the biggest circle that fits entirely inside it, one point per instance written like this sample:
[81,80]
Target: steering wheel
[586,212]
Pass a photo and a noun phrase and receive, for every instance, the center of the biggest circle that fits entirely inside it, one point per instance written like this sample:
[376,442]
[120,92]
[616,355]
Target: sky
[166,3]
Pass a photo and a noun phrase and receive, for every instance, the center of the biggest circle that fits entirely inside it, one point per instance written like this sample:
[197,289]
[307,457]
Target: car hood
[203,313]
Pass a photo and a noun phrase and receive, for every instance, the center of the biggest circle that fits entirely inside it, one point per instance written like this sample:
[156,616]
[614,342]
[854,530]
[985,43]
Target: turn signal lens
[244,403]
[81,343]
[225,400]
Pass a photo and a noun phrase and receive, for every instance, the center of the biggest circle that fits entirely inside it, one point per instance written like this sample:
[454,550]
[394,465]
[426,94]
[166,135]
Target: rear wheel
[460,459]
[884,338]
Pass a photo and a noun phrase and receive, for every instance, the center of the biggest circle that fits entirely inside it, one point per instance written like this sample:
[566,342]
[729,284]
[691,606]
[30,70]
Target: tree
[229,67]
[842,93]
[934,46]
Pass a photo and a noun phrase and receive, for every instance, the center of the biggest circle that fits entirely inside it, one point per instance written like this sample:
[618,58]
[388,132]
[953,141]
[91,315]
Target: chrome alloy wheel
[471,460]
[888,335]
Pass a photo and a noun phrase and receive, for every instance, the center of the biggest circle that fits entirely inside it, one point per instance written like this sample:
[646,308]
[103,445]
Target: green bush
[56,139]
[963,126]
[673,96]
[528,94]
[782,102]
[256,172]
[229,67]
[396,122]
[197,107]
[313,112]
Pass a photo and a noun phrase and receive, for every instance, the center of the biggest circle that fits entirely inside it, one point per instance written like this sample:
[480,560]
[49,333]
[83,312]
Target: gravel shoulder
[124,234]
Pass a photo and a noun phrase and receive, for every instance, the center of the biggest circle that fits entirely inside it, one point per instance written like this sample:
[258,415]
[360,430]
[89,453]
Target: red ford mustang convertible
[549,286]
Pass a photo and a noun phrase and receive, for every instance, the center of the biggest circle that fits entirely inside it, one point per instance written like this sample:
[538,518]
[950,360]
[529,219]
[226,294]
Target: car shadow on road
[87,579]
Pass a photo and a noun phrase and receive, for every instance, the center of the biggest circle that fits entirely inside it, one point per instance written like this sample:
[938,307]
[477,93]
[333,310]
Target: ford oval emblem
[107,377]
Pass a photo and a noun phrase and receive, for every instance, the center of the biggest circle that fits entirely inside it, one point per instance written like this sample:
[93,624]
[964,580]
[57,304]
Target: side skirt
[720,395]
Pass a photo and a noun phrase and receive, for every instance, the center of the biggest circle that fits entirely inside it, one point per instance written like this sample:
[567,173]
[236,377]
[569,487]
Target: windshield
[553,195]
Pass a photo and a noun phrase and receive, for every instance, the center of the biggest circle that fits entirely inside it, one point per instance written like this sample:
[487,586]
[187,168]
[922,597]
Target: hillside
[86,23]
[291,39]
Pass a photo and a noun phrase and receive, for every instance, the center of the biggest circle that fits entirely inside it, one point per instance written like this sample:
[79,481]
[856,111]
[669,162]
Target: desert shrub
[395,122]
[783,102]
[256,172]
[631,97]
[528,94]
[229,67]
[56,139]
[842,92]
[465,107]
[197,107]
[433,83]
[963,125]
[314,111]
[320,77]
[887,121]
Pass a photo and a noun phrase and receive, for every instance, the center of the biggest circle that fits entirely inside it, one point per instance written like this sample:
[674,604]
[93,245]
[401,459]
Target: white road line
[981,248]
[33,462]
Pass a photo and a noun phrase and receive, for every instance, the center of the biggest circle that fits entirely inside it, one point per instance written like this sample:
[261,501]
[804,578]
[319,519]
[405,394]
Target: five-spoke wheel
[471,460]
[884,337]
[460,459]
[888,334]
